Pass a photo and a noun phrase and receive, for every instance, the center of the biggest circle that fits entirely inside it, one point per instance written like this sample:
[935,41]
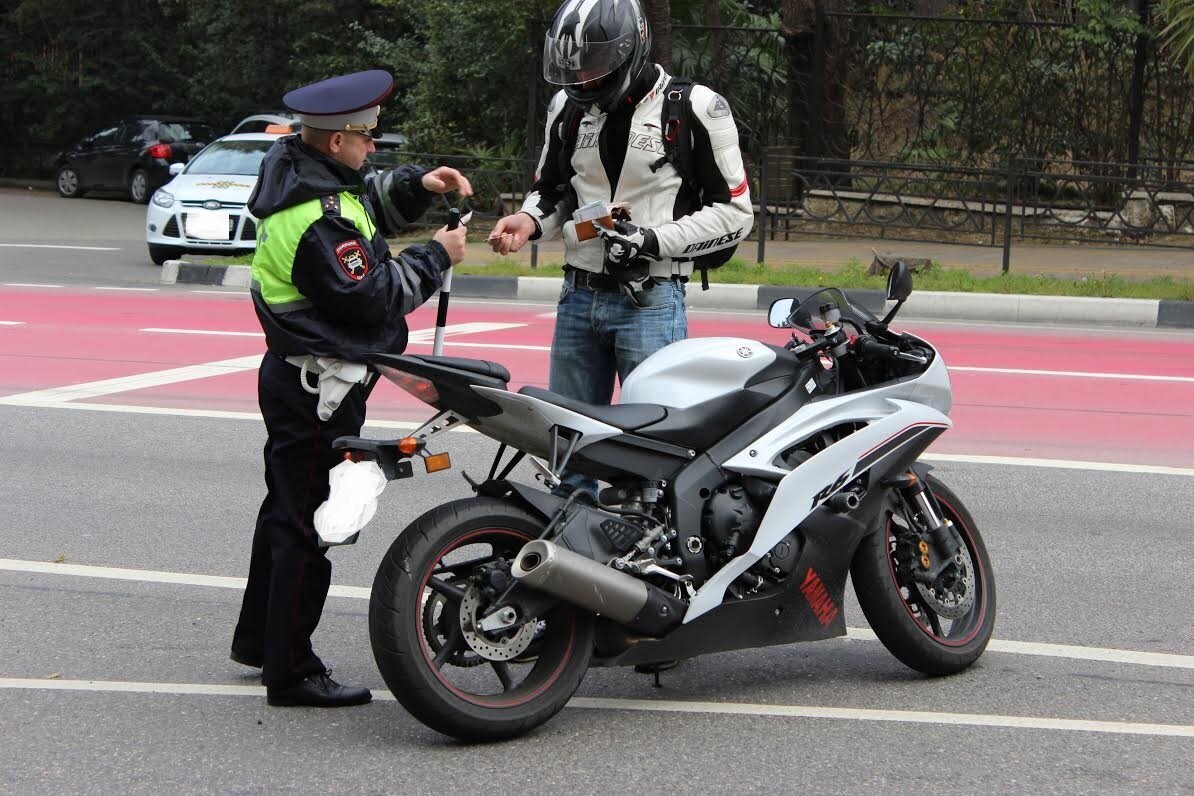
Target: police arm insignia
[353,260]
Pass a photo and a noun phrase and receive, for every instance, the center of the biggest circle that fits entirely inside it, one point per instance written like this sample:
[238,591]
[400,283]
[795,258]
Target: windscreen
[809,315]
[230,157]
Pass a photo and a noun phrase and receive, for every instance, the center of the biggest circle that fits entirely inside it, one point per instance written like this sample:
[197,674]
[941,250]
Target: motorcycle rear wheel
[902,616]
[423,651]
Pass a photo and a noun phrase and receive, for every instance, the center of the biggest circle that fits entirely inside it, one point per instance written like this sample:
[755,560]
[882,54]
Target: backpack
[677,150]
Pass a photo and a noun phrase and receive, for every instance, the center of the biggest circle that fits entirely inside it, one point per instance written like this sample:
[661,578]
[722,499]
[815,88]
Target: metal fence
[952,129]
[1037,200]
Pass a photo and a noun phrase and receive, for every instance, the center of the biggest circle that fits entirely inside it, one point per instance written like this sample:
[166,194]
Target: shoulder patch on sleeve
[718,107]
[352,259]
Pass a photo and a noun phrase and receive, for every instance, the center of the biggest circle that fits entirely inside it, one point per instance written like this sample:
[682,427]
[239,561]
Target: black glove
[628,247]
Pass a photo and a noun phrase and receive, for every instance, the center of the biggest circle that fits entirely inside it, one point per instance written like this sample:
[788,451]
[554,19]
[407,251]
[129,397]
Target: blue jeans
[600,334]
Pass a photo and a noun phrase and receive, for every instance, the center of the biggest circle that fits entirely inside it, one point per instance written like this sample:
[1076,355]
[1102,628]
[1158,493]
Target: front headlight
[163,199]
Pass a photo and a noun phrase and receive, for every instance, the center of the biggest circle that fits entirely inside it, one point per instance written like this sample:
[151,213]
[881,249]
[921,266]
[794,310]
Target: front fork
[942,537]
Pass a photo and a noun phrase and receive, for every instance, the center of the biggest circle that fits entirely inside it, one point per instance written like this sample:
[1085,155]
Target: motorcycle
[746,480]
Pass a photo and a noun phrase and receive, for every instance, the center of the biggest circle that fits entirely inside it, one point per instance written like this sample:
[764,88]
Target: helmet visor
[567,62]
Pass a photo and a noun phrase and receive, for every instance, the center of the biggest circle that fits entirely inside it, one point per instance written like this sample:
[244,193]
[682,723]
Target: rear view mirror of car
[176,168]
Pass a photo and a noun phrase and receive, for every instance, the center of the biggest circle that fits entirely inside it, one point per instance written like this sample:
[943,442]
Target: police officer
[326,290]
[623,293]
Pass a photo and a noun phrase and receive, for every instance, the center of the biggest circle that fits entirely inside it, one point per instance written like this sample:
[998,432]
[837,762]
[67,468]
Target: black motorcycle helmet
[597,40]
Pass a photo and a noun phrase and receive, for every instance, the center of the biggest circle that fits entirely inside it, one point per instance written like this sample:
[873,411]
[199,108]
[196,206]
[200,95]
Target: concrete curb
[923,305]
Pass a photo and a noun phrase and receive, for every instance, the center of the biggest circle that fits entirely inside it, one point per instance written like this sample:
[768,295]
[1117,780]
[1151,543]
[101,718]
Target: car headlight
[163,199]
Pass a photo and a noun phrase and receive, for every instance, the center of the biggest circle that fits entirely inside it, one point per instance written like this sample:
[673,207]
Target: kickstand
[657,683]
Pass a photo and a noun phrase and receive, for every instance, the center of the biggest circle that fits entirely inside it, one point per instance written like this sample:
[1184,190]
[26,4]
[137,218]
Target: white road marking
[1075,374]
[1061,464]
[1003,461]
[132,289]
[665,706]
[12,323]
[151,576]
[455,329]
[28,284]
[457,344]
[140,381]
[865,714]
[416,337]
[209,413]
[56,246]
[218,333]
[57,396]
[1101,654]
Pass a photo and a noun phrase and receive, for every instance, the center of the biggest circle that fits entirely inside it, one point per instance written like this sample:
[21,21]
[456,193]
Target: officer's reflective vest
[278,237]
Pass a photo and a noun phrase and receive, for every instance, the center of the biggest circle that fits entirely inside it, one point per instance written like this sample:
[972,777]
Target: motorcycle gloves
[627,251]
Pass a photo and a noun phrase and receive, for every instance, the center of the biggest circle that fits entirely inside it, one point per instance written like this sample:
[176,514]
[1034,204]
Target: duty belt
[604,283]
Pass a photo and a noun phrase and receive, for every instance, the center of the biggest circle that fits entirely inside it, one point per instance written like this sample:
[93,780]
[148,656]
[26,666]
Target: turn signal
[409,445]
[437,462]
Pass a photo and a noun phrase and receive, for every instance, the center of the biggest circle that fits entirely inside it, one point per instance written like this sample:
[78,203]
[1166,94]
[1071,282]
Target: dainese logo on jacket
[352,259]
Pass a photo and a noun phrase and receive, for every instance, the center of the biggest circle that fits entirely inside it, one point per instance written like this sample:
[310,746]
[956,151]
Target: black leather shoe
[318,691]
[245,660]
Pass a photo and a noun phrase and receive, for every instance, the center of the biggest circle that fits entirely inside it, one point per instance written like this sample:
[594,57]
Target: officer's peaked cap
[348,102]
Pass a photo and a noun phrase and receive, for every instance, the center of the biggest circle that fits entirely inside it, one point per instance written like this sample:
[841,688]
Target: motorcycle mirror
[781,310]
[899,282]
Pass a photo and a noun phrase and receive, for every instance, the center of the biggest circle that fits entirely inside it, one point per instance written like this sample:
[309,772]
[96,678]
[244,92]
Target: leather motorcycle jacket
[723,218]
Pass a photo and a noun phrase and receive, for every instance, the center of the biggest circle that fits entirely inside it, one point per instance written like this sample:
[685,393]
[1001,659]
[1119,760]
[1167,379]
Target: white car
[202,209]
[262,122]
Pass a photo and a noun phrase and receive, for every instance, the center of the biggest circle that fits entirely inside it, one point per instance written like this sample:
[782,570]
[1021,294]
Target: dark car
[131,155]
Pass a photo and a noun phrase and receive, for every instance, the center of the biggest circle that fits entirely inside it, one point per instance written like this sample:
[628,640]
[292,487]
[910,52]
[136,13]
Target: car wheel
[68,183]
[139,186]
[160,254]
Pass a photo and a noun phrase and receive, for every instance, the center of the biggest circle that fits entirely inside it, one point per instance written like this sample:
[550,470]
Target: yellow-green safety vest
[278,236]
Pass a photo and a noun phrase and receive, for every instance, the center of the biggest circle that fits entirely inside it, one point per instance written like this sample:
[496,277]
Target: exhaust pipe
[583,582]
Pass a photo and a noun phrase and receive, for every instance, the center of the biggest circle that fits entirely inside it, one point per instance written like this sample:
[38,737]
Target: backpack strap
[676,124]
[677,137]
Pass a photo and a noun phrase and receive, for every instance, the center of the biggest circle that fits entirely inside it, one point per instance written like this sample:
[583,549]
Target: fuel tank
[688,372]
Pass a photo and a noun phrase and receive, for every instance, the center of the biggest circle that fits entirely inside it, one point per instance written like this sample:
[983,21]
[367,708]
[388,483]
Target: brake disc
[436,617]
[951,595]
[499,646]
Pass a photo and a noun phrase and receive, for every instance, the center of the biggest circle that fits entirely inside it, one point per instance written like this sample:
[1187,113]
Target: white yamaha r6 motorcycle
[746,481]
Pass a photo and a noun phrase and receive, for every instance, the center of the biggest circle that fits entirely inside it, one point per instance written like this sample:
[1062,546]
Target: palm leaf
[1178,33]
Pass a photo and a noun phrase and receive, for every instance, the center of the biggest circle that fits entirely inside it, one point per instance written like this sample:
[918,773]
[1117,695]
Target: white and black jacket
[723,215]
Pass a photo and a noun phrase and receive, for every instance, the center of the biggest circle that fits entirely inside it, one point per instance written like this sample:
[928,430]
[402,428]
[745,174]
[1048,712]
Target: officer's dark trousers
[289,573]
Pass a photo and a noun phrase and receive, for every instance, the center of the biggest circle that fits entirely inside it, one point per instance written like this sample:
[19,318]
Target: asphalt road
[114,673]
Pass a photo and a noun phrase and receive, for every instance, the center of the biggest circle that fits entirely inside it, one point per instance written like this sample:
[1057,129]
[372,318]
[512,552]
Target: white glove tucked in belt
[336,378]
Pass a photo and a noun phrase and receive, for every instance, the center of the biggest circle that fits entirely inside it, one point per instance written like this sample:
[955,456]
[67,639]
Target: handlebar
[870,347]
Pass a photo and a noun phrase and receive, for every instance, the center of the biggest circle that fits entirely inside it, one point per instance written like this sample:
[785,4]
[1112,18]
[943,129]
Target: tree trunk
[816,112]
[715,77]
[797,24]
[659,16]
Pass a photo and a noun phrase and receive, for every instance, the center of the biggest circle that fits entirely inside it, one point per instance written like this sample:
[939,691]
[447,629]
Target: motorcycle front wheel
[936,628]
[431,592]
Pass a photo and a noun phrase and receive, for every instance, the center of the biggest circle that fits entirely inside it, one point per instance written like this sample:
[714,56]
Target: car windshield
[230,157]
[186,131]
[809,315]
